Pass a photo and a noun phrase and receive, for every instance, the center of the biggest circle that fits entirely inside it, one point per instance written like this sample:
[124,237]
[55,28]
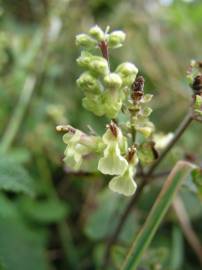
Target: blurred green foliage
[66,222]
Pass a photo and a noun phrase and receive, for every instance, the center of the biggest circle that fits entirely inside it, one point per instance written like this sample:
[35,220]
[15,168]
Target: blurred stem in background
[49,34]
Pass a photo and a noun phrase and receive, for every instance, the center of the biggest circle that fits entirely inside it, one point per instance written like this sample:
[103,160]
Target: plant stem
[180,130]
[145,179]
[104,49]
[18,113]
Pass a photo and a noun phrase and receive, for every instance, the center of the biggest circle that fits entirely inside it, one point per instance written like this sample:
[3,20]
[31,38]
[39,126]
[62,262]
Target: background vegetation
[59,220]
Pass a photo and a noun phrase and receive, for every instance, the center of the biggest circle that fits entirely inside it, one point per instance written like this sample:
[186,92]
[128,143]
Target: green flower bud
[94,103]
[128,73]
[99,65]
[85,41]
[84,60]
[97,33]
[116,39]
[112,163]
[112,100]
[124,184]
[113,80]
[89,83]
[127,69]
[96,64]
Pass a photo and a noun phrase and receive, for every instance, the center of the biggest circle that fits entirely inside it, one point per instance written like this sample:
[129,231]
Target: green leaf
[44,211]
[21,247]
[157,213]
[102,222]
[176,258]
[13,177]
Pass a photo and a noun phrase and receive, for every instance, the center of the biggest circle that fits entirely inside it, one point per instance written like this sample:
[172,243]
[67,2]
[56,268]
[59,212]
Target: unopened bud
[113,80]
[84,60]
[86,41]
[89,83]
[116,39]
[97,33]
[99,65]
[127,69]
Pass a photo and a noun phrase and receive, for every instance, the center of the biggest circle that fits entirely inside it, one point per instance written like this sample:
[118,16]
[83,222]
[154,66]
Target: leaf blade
[161,205]
[13,177]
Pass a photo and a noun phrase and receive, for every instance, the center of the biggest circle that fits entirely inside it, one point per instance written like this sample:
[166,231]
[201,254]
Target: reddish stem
[104,49]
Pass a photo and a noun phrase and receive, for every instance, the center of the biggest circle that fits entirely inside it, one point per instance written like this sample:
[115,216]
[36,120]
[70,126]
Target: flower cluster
[116,95]
[104,90]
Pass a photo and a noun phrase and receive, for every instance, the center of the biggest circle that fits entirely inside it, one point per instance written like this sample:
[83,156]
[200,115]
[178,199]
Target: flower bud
[85,41]
[84,60]
[116,38]
[128,73]
[113,80]
[99,66]
[124,184]
[127,69]
[97,33]
[89,83]
[94,104]
[112,100]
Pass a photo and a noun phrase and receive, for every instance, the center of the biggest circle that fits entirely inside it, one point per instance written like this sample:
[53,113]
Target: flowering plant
[130,142]
[116,94]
